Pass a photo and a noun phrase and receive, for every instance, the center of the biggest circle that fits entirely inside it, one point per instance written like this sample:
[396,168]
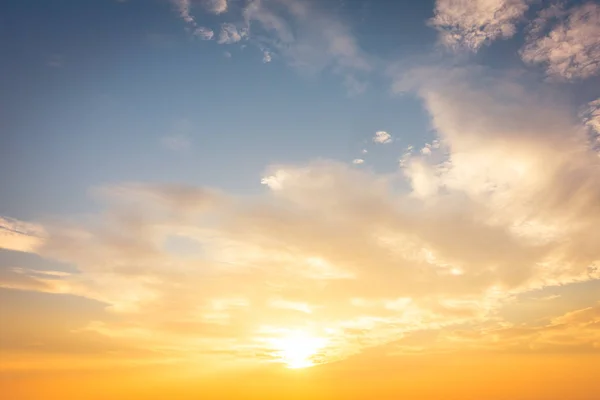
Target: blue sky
[354,173]
[100,85]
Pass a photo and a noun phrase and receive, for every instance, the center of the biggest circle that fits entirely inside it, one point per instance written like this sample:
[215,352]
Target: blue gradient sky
[380,179]
[130,75]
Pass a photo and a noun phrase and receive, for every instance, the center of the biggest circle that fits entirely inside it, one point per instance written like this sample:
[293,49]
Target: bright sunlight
[297,349]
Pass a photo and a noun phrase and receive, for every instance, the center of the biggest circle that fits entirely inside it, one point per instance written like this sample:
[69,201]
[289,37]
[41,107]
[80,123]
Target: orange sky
[178,221]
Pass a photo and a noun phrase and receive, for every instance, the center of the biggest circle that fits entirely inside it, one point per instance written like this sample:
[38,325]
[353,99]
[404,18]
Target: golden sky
[468,270]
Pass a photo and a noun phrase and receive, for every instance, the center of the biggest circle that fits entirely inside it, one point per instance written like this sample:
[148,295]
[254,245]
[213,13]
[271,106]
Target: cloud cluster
[571,49]
[471,24]
[505,200]
[343,253]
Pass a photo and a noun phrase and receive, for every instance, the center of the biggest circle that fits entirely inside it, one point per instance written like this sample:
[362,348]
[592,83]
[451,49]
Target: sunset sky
[296,199]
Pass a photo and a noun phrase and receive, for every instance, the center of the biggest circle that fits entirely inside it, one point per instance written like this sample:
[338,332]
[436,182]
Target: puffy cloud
[571,49]
[358,161]
[471,24]
[204,33]
[229,34]
[382,137]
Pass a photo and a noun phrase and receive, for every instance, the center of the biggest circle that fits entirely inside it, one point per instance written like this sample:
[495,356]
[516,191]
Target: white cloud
[204,33]
[229,34]
[266,56]
[382,137]
[358,161]
[571,50]
[471,24]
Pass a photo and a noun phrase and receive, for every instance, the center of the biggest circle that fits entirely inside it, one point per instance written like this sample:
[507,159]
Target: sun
[297,349]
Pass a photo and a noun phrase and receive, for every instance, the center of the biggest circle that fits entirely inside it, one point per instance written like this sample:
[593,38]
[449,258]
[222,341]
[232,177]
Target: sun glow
[297,349]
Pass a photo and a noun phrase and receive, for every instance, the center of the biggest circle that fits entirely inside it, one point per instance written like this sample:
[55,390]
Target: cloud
[574,332]
[184,8]
[308,39]
[229,34]
[266,56]
[204,33]
[215,6]
[571,49]
[382,137]
[471,24]
[19,235]
[358,161]
[511,206]
[591,119]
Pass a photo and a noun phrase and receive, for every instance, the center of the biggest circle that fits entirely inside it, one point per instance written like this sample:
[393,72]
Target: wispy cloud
[204,33]
[19,235]
[177,142]
[308,39]
[179,138]
[571,49]
[471,24]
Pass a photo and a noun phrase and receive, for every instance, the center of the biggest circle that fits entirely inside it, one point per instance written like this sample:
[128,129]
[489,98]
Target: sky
[333,199]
